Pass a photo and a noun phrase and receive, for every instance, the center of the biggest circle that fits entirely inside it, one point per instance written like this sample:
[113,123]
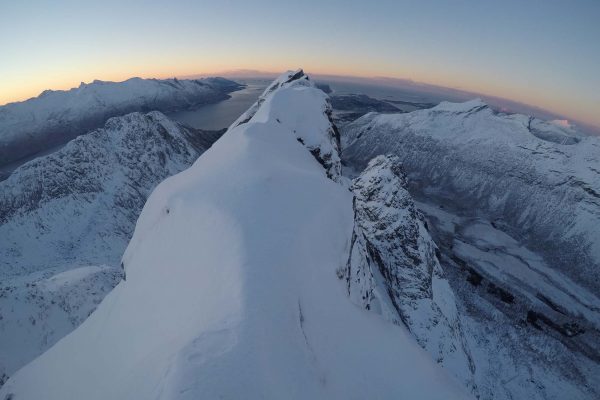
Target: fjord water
[220,115]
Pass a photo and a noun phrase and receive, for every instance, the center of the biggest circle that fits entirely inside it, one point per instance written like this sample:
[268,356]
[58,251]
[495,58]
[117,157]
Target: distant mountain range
[53,118]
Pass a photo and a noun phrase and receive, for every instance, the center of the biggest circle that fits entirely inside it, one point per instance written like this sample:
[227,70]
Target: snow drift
[231,286]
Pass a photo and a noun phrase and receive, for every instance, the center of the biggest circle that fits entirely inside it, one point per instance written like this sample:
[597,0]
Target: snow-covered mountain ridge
[66,218]
[542,178]
[55,117]
[232,288]
[514,206]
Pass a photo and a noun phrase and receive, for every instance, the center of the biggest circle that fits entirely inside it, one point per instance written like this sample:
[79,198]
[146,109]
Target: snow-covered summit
[232,289]
[465,107]
[320,135]
[55,117]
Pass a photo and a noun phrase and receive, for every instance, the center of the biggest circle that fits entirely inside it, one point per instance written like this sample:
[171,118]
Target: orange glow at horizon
[486,48]
[28,85]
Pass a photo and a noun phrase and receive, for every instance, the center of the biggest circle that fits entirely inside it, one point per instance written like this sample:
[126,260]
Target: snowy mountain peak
[465,107]
[319,135]
[556,131]
[286,77]
[281,80]
[231,287]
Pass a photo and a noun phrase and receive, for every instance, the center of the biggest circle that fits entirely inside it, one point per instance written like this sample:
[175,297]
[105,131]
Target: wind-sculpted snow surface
[55,117]
[393,268]
[76,210]
[231,287]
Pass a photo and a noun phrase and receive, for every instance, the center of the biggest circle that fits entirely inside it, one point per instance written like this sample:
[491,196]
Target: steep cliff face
[231,286]
[393,269]
[55,117]
[512,204]
[66,218]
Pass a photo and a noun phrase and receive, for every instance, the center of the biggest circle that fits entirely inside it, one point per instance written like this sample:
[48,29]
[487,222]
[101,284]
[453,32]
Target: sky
[544,53]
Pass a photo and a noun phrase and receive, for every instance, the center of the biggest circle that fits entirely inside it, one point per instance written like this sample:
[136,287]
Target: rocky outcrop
[393,269]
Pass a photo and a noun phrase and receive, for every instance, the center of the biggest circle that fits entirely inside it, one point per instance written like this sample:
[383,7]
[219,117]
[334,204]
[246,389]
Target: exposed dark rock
[500,293]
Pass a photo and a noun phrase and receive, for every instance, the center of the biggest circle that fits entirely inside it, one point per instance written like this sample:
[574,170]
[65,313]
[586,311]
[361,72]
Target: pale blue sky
[545,53]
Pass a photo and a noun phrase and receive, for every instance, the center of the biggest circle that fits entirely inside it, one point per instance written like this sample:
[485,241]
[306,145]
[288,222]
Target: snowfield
[231,284]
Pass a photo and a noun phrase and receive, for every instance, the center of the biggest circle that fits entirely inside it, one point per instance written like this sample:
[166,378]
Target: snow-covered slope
[542,178]
[66,218]
[54,117]
[231,287]
[514,203]
[325,148]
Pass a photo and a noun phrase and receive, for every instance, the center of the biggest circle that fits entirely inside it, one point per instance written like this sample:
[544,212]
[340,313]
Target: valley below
[220,115]
[515,308]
